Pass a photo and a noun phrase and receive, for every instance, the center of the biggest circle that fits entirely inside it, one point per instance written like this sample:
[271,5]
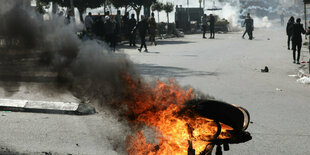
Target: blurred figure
[109,29]
[142,28]
[89,22]
[282,19]
[118,23]
[152,29]
[132,23]
[98,28]
[298,29]
[289,31]
[212,24]
[124,25]
[68,17]
[204,25]
[249,27]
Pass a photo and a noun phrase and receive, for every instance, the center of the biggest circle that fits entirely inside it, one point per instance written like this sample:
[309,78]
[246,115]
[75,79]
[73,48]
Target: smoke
[88,69]
[234,12]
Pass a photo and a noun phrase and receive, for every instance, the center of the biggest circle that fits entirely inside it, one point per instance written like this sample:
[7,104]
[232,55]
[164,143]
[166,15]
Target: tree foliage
[81,5]
[158,6]
[168,7]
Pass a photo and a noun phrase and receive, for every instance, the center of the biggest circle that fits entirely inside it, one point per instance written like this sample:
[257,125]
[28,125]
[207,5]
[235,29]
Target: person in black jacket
[212,24]
[132,23]
[249,27]
[109,29]
[142,27]
[298,29]
[289,31]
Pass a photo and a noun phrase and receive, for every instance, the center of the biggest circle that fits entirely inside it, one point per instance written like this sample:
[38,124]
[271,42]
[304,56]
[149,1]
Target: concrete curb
[46,107]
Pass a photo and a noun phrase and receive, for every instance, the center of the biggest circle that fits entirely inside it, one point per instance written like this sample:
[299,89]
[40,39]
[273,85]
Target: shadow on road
[169,42]
[169,71]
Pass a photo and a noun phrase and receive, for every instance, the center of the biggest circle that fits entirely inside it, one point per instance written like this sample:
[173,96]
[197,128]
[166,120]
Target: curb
[69,108]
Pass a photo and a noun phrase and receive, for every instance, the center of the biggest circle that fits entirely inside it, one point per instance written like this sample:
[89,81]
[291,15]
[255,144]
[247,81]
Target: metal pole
[188,18]
[305,10]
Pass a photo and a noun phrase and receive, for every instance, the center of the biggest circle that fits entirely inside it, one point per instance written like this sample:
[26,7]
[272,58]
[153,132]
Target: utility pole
[188,18]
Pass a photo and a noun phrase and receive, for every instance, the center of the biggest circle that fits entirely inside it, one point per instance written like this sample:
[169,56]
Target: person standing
[204,25]
[289,31]
[298,29]
[89,22]
[124,25]
[212,26]
[109,29]
[152,28]
[142,27]
[132,23]
[249,27]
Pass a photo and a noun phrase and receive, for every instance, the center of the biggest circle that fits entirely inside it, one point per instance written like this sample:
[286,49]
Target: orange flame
[158,107]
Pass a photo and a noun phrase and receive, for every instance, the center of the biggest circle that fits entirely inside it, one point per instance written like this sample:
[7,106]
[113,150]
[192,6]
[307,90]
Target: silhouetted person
[204,25]
[132,23]
[212,24]
[109,29]
[124,25]
[249,27]
[298,29]
[289,31]
[98,27]
[152,29]
[142,28]
[89,22]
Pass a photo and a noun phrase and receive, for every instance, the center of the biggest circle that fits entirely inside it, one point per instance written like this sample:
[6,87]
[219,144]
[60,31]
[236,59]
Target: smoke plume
[86,68]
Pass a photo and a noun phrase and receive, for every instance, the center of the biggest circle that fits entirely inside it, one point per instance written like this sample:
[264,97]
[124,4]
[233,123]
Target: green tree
[168,7]
[158,6]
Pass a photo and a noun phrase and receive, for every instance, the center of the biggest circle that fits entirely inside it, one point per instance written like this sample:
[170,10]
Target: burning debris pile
[181,123]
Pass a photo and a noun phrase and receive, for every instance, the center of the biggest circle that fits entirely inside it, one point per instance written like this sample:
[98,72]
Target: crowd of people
[115,28]
[294,31]
[210,21]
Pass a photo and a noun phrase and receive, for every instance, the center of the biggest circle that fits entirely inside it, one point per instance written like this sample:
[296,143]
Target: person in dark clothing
[212,29]
[132,23]
[298,29]
[289,31]
[249,27]
[204,24]
[142,27]
[109,29]
[99,28]
[152,29]
[124,25]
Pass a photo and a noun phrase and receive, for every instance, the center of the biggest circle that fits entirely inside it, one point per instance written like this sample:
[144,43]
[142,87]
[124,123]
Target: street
[227,68]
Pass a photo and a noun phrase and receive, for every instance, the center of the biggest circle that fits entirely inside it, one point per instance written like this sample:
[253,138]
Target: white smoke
[262,22]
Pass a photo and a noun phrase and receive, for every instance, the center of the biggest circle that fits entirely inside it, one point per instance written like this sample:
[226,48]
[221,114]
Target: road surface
[227,68]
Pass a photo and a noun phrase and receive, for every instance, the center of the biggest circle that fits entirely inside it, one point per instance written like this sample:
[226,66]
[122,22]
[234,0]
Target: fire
[159,107]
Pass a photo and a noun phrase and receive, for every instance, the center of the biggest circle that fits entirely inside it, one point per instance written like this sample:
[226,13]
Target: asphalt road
[227,68]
